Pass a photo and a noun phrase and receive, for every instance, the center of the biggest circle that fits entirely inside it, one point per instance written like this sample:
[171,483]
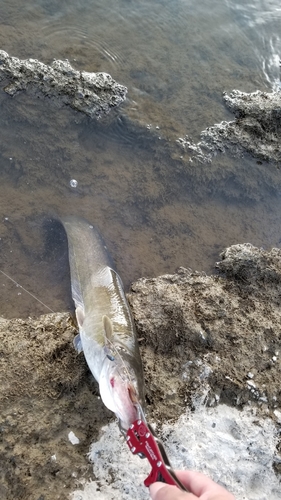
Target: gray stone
[255,130]
[91,93]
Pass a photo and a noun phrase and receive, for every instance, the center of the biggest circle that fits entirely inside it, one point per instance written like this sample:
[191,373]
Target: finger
[195,481]
[162,491]
[199,485]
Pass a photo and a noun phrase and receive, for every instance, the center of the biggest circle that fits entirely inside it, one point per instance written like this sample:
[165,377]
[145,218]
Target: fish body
[107,332]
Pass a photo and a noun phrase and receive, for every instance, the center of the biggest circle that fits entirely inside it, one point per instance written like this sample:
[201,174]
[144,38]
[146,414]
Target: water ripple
[79,39]
[260,21]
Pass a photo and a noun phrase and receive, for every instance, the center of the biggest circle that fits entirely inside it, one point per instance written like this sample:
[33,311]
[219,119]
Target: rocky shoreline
[220,332]
[214,339]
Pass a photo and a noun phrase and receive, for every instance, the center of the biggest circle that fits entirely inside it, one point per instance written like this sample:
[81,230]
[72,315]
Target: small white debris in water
[6,218]
[72,438]
[73,183]
[10,159]
[250,375]
[274,359]
[19,293]
[54,458]
[265,348]
[276,352]
[157,127]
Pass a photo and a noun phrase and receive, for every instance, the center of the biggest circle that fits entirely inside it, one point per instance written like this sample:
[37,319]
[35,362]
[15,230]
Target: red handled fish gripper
[142,440]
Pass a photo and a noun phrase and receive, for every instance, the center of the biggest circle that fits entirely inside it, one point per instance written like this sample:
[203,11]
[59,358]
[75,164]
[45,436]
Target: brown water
[155,210]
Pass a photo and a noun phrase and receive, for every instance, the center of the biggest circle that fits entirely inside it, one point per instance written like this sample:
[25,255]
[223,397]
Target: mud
[45,393]
[218,332]
[91,93]
[255,130]
[212,338]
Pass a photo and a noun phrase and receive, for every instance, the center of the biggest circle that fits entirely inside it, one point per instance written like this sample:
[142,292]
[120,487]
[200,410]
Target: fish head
[119,390]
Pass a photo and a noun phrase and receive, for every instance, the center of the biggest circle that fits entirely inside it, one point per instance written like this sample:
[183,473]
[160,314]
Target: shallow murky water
[156,211]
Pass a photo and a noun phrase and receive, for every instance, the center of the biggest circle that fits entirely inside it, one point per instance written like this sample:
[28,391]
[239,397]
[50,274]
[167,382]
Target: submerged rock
[91,93]
[256,129]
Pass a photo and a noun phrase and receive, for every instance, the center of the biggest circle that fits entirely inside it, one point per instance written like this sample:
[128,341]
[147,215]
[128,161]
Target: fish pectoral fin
[108,329]
[78,343]
[80,316]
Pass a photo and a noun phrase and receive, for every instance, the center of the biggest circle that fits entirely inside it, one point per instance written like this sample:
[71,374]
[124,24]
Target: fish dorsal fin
[108,329]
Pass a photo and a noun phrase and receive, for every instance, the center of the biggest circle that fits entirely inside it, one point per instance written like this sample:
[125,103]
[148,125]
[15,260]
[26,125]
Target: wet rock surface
[91,93]
[255,130]
[211,339]
[216,335]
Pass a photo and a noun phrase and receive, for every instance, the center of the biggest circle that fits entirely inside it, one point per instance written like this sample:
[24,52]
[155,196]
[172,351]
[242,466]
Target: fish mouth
[136,402]
[136,412]
[129,410]
[120,395]
[133,394]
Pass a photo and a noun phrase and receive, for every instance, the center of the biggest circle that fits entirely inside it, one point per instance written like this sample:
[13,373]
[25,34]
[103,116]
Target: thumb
[162,491]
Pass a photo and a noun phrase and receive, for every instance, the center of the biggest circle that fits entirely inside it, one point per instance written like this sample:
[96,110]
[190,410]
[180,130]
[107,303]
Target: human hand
[199,485]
